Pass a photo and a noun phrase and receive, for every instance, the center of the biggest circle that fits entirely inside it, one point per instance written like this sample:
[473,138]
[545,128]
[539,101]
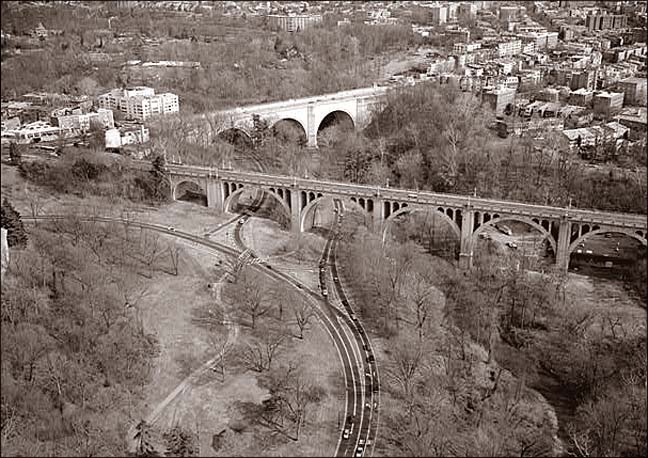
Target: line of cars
[370,369]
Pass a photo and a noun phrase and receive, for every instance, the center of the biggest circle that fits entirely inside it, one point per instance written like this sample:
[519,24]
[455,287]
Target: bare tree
[261,351]
[252,296]
[303,316]
[175,251]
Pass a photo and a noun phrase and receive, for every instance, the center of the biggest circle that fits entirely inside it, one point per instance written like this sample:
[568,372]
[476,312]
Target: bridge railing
[415,196]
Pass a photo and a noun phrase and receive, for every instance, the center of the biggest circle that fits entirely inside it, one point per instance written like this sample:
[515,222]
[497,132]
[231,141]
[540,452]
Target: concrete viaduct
[310,113]
[563,228]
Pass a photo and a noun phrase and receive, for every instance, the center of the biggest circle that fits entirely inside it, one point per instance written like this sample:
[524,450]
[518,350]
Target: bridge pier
[562,247]
[295,210]
[311,128]
[378,216]
[466,245]
[215,195]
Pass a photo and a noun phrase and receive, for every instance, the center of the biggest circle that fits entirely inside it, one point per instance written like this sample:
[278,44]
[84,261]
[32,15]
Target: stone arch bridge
[310,114]
[563,228]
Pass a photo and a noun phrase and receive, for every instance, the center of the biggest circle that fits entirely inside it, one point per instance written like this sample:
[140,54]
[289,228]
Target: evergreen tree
[180,442]
[10,220]
[143,438]
[160,186]
[260,131]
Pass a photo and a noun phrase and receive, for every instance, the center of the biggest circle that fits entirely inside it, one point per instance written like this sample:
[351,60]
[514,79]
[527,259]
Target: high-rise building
[606,21]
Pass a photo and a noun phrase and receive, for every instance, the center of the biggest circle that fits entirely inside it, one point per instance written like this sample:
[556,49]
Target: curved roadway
[328,315]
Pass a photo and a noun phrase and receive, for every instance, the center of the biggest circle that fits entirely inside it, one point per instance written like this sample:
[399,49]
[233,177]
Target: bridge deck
[416,197]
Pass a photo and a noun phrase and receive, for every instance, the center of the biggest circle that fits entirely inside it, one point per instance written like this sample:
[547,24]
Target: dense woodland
[454,398]
[75,356]
[242,61]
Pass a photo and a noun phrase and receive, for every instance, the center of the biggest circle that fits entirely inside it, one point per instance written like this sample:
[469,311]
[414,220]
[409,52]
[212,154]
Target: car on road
[484,236]
[361,441]
[359,450]
[370,358]
[368,405]
[242,220]
[335,278]
[504,229]
[361,330]
[346,434]
[171,229]
[512,245]
[324,292]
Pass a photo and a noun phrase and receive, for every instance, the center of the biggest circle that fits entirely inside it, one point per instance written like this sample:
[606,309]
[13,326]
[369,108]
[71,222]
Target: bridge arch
[627,232]
[236,136]
[413,209]
[266,191]
[188,183]
[521,219]
[311,206]
[337,116]
[280,126]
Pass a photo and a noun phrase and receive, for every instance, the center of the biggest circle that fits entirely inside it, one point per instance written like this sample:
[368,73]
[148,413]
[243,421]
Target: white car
[512,245]
[171,229]
[346,434]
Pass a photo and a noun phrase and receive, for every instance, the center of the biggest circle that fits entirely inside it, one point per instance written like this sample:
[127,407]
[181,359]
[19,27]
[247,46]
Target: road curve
[363,433]
[323,310]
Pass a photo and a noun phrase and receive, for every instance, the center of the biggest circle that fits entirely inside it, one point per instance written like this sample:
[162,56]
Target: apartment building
[581,97]
[464,48]
[634,90]
[499,99]
[606,21]
[295,23]
[509,48]
[75,120]
[541,40]
[607,103]
[439,14]
[139,102]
